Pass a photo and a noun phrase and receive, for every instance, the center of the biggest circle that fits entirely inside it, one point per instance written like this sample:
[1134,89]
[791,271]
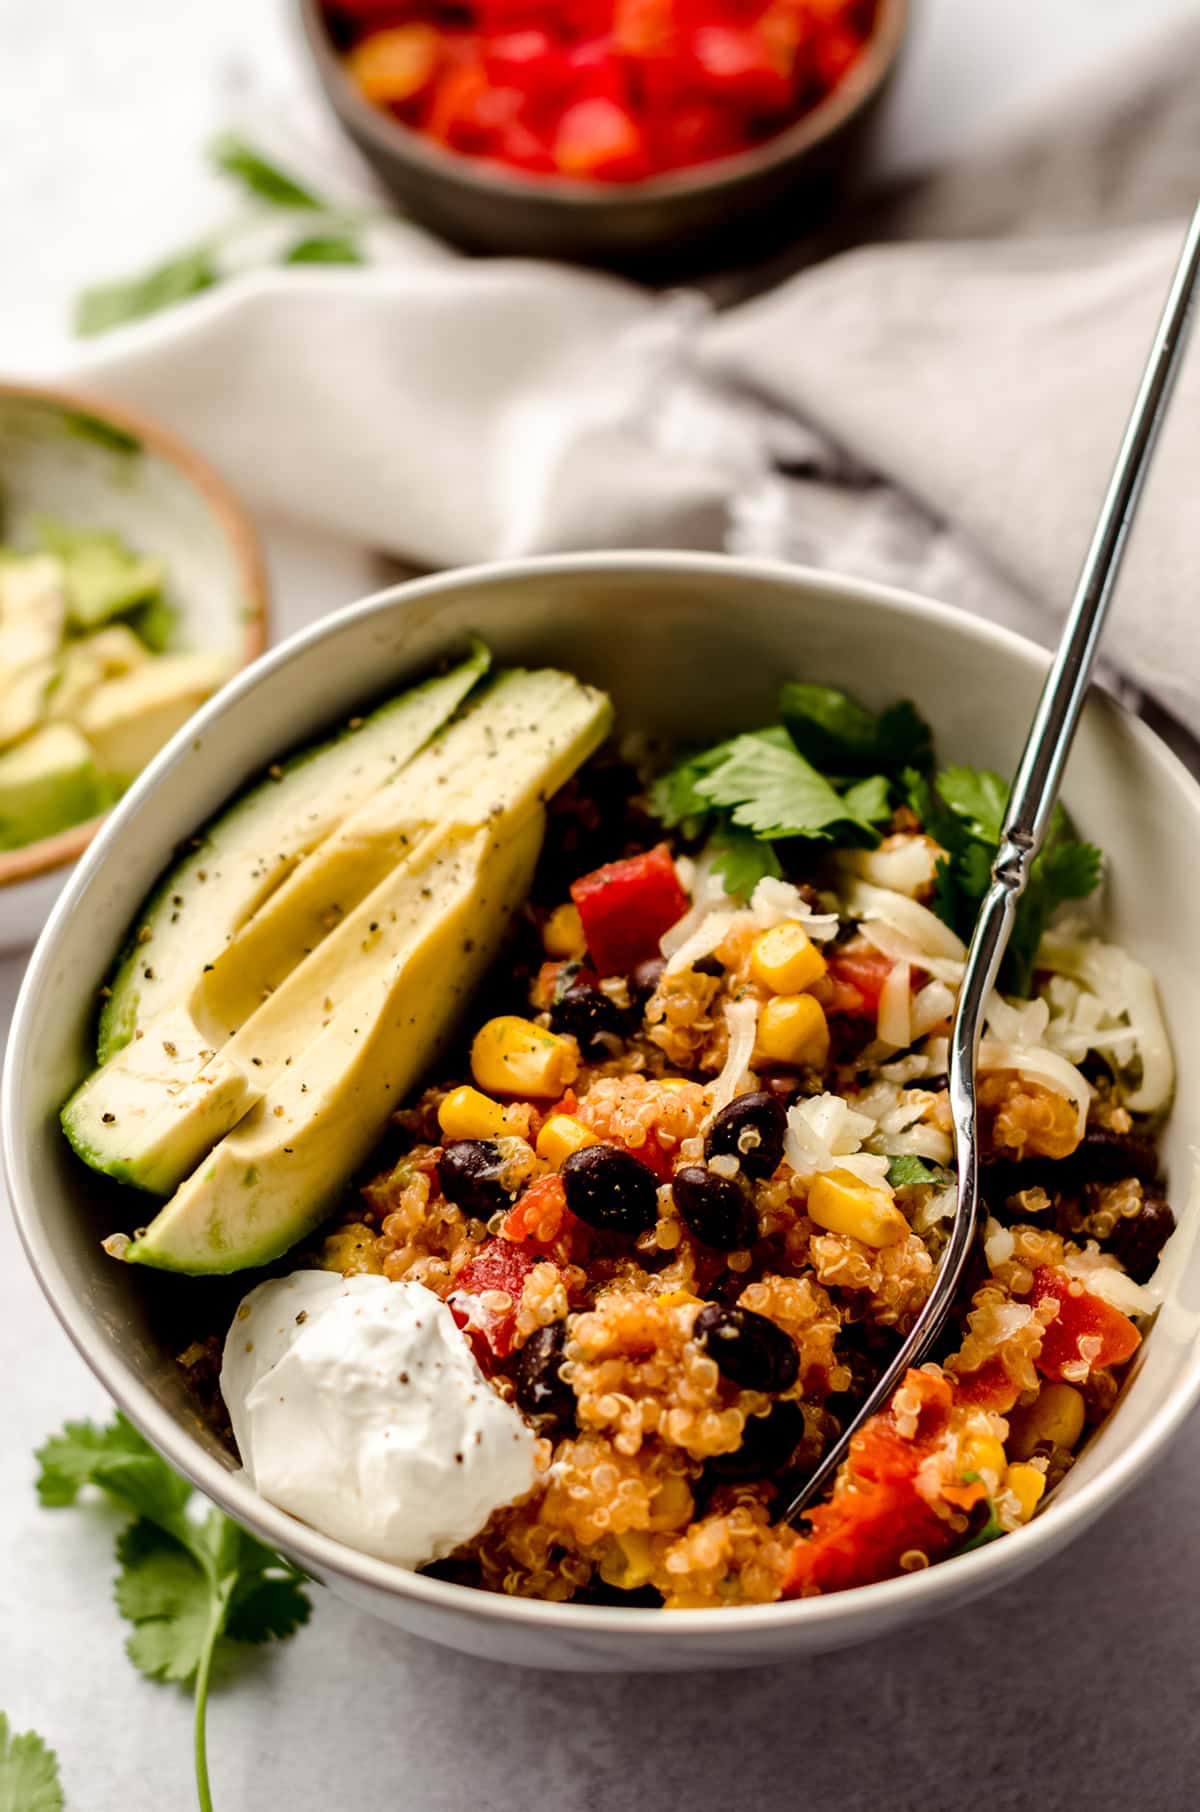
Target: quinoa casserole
[675,1187]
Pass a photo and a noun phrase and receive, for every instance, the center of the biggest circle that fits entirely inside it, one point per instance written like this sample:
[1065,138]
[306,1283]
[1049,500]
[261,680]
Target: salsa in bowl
[675,1325]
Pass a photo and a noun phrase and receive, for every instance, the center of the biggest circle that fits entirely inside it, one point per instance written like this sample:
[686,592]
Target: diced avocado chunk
[270,1181]
[250,847]
[23,701]
[32,613]
[87,663]
[128,719]
[47,783]
[102,577]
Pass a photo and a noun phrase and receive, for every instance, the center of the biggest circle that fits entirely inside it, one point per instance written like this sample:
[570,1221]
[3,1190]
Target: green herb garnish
[831,773]
[329,237]
[188,1584]
[910,1172]
[28,1773]
[964,810]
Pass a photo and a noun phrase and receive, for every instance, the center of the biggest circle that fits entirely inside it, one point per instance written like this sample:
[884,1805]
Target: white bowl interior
[690,647]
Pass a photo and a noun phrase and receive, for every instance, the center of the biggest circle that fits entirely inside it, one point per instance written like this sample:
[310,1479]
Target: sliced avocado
[152,1111]
[128,719]
[513,744]
[270,1181]
[102,577]
[237,861]
[47,783]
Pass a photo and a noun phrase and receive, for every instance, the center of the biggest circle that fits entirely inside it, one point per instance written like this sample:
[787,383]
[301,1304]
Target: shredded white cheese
[741,1019]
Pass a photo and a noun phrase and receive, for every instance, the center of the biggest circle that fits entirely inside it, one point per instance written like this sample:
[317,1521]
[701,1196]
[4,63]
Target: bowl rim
[854,1614]
[233,519]
[857,89]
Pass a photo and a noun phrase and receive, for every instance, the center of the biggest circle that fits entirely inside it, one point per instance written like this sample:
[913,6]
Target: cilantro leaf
[185,1583]
[910,1172]
[741,859]
[165,1594]
[233,156]
[836,733]
[28,1773]
[324,248]
[772,790]
[978,796]
[108,305]
[869,801]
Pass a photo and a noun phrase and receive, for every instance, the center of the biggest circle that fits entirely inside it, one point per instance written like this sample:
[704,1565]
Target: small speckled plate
[93,465]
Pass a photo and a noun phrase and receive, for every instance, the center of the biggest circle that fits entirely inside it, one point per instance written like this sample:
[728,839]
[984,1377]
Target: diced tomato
[395,67]
[599,138]
[468,113]
[498,1270]
[741,66]
[542,1220]
[626,906]
[990,1387]
[877,1515]
[857,976]
[1086,1329]
[697,131]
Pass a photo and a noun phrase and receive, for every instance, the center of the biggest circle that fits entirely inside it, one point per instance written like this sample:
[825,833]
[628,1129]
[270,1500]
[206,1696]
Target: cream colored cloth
[941,411]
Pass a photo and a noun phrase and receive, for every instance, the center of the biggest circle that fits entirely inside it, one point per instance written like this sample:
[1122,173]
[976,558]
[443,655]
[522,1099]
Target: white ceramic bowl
[92,464]
[691,647]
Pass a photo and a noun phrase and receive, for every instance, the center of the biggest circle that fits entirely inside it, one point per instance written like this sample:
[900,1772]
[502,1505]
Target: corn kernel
[560,1136]
[512,1056]
[626,1561]
[466,1114]
[842,1203]
[983,1453]
[785,959]
[1027,1485]
[792,1028]
[674,1299]
[1056,1416]
[562,934]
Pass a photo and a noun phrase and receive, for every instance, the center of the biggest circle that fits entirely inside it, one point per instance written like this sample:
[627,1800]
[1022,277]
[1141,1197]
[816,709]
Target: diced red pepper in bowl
[626,906]
[477,1301]
[1086,1333]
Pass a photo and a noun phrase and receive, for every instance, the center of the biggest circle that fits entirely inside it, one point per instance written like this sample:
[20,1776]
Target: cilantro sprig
[189,1584]
[28,1773]
[831,773]
[963,810]
[324,234]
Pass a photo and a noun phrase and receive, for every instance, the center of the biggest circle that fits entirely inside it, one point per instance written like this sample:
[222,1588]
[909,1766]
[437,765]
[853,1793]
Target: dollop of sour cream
[358,1406]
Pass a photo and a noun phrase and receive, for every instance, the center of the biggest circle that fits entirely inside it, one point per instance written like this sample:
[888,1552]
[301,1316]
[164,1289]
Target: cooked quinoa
[688,1226]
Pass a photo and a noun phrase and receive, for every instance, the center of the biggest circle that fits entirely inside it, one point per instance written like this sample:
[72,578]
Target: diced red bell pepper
[695,132]
[861,1534]
[857,977]
[626,906]
[500,1267]
[467,112]
[1086,1331]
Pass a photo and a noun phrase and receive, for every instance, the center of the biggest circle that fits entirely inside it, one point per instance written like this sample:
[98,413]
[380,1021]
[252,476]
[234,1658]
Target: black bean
[539,1389]
[1100,1157]
[1138,1239]
[610,1189]
[584,1012]
[750,1129]
[768,1445]
[645,977]
[708,965]
[718,1210]
[469,1175]
[749,1349]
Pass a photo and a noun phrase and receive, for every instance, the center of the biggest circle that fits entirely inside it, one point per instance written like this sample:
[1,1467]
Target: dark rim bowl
[732,206]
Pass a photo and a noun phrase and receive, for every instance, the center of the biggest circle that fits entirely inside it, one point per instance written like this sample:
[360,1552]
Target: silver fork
[1032,799]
